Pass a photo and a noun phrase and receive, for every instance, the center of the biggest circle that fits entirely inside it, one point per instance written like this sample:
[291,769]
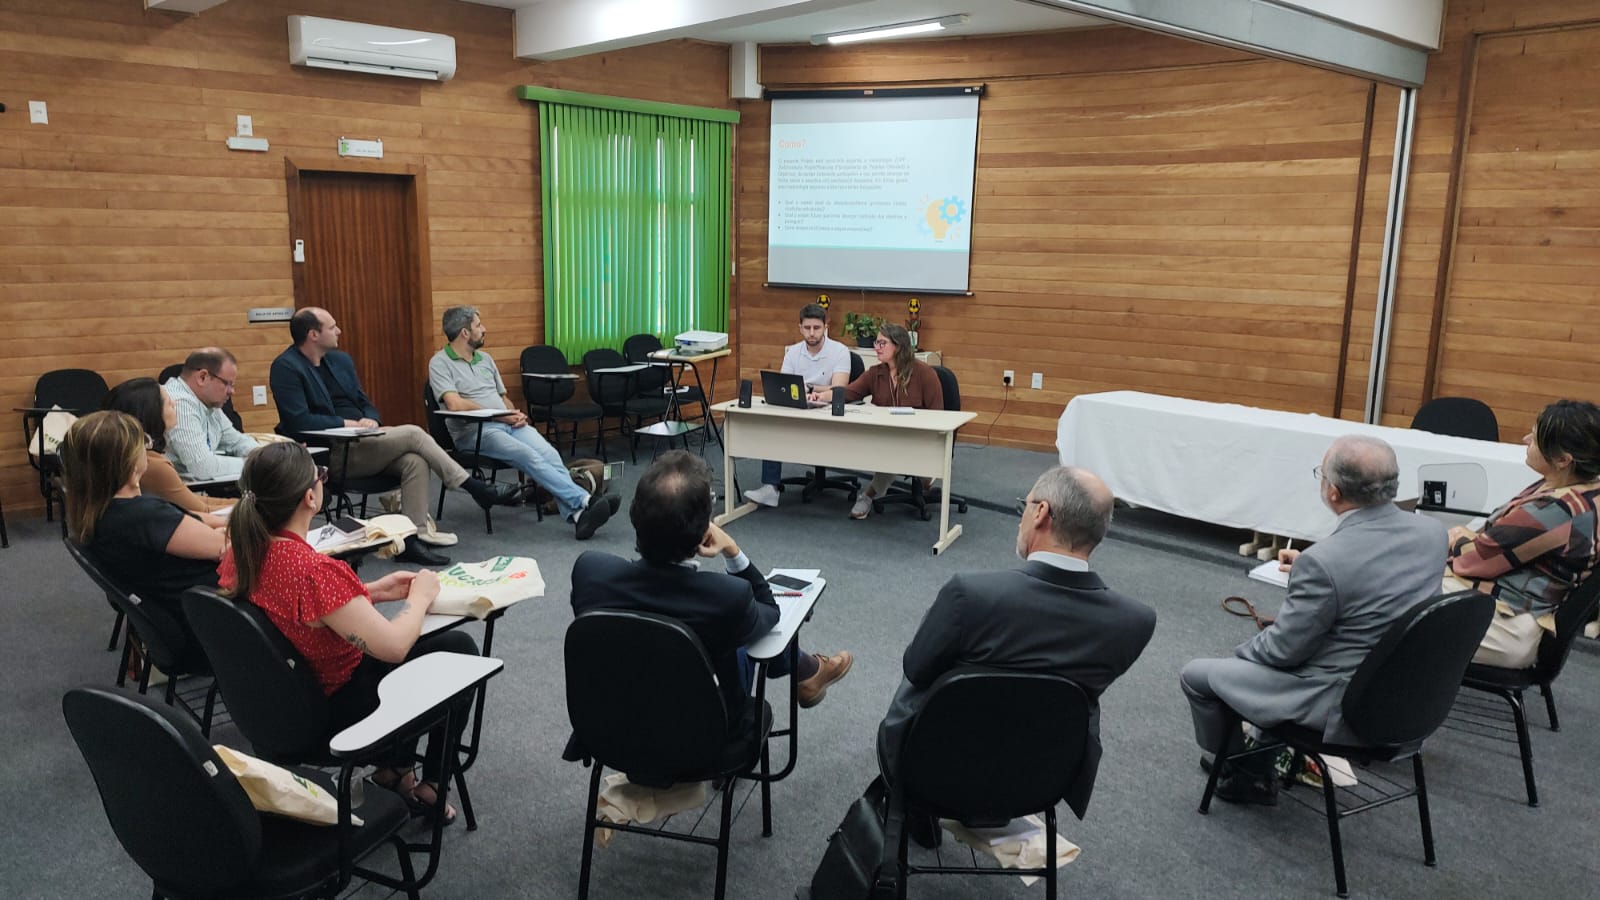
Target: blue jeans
[528,451]
[771,472]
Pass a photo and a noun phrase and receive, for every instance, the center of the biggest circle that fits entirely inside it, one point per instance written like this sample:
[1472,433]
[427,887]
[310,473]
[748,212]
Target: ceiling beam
[558,29]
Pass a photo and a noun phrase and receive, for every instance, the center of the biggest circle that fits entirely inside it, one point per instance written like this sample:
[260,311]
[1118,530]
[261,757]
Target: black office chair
[165,642]
[819,481]
[336,493]
[658,378]
[643,698]
[176,369]
[480,464]
[1398,696]
[183,817]
[618,396]
[1458,417]
[75,391]
[910,491]
[550,401]
[1508,684]
[989,746]
[273,695]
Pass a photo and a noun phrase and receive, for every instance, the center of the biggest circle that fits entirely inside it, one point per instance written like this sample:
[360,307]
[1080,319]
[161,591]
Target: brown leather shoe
[829,669]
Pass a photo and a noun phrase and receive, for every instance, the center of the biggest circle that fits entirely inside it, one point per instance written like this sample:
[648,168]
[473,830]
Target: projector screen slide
[872,191]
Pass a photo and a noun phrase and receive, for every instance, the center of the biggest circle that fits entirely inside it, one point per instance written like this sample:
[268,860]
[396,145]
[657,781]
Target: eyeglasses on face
[883,342]
[1023,503]
[1317,472]
[322,474]
[225,382]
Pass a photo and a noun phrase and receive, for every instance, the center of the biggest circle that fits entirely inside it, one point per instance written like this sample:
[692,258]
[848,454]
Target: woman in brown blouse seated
[1544,542]
[154,410]
[144,544]
[897,380]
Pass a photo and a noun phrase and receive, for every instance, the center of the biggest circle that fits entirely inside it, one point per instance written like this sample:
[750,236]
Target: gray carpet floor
[1142,836]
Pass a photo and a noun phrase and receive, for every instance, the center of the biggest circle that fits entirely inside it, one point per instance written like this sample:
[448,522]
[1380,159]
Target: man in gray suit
[1343,594]
[1051,615]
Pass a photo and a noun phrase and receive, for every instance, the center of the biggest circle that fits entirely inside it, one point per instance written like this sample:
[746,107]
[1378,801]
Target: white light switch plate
[37,113]
[246,128]
[1038,381]
[258,394]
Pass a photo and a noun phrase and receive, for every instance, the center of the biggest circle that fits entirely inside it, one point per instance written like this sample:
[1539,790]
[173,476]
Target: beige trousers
[1512,642]
[408,453]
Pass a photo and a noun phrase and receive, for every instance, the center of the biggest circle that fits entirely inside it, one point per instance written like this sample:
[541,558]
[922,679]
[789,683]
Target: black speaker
[838,401]
[745,389]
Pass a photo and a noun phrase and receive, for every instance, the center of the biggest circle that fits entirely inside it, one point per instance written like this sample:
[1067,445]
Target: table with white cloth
[1246,467]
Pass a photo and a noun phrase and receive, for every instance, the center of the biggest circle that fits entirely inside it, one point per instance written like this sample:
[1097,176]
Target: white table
[792,613]
[868,438]
[1246,467]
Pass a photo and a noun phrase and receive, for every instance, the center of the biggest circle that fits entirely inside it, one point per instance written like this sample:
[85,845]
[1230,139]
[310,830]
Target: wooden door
[363,265]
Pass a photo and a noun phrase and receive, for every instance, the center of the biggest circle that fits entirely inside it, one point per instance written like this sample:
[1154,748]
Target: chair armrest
[412,696]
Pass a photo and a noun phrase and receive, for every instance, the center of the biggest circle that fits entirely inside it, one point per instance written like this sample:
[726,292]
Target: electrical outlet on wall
[1038,381]
[1009,377]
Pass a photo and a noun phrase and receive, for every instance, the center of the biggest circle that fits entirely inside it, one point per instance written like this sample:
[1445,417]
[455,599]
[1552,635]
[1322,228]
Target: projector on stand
[693,343]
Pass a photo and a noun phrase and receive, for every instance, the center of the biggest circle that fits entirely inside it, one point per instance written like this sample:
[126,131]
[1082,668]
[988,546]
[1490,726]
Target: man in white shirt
[204,445]
[823,362]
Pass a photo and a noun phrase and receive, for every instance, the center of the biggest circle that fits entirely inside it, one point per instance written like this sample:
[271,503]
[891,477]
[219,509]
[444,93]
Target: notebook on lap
[786,390]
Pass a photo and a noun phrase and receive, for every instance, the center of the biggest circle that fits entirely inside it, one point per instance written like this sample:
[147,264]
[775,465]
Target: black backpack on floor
[859,863]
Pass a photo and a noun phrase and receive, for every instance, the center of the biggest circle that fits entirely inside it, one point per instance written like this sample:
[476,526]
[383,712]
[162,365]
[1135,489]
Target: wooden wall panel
[1456,188]
[129,234]
[1518,316]
[1149,214]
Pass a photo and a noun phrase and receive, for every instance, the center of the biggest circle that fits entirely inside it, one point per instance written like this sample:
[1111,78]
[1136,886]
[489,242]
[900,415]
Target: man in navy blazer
[671,515]
[315,387]
[1053,615]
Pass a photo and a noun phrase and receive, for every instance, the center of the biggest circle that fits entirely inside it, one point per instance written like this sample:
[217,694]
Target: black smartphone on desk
[789,582]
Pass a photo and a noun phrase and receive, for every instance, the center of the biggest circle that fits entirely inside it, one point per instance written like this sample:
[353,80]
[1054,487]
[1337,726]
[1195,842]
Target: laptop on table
[787,390]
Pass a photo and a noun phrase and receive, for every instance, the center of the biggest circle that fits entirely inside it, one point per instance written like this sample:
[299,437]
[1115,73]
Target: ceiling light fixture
[884,32]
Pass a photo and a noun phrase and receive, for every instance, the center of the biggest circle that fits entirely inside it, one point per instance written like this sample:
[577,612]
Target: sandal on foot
[426,806]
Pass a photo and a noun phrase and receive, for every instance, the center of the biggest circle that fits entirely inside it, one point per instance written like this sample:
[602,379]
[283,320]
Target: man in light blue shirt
[204,445]
[823,362]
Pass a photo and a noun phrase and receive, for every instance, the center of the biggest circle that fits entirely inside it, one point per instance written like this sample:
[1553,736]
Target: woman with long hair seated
[1535,549]
[326,611]
[150,404]
[897,380]
[146,545]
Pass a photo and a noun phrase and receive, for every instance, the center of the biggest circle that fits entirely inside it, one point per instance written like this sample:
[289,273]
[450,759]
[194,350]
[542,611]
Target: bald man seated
[1344,592]
[1050,615]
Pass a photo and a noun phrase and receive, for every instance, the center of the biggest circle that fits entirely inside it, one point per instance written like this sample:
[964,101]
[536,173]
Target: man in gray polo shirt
[464,377]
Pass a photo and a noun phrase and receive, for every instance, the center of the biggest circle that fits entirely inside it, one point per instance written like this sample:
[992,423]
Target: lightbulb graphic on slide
[942,214]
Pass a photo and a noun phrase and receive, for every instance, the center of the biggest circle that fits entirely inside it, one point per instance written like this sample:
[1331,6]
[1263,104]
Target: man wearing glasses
[1344,592]
[204,445]
[1052,615]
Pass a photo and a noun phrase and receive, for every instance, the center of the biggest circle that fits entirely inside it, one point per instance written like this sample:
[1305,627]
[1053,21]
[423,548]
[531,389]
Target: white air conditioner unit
[375,49]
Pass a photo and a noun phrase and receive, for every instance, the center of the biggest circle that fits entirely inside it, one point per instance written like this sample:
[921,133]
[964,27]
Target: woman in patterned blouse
[1535,549]
[326,611]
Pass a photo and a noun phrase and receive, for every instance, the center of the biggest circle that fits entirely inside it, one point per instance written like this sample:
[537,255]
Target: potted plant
[863,327]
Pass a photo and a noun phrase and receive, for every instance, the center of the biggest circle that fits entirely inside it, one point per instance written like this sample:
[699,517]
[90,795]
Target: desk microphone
[746,388]
[838,401]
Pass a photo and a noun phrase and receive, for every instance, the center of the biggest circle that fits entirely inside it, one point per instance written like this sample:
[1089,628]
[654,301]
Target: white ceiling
[987,17]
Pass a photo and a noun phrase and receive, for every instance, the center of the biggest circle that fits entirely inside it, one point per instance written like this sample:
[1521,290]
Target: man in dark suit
[1344,592]
[671,515]
[1051,615]
[315,386]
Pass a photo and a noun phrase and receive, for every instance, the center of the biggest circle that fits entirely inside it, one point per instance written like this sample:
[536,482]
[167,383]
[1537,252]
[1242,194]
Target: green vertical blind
[636,227]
